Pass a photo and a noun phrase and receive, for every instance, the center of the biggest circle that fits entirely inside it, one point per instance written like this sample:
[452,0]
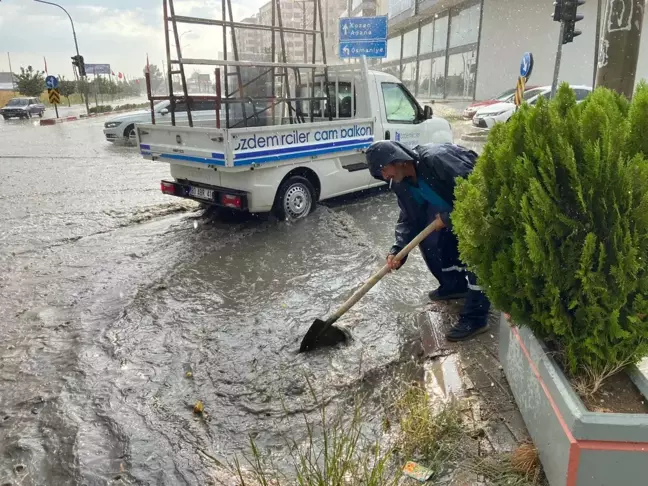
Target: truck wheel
[295,199]
[40,114]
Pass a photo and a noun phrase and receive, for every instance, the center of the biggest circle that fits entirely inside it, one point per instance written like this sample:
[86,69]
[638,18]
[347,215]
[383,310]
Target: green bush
[132,106]
[554,222]
[101,109]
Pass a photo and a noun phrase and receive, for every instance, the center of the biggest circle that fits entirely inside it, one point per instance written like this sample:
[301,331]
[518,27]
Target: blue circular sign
[526,66]
[51,82]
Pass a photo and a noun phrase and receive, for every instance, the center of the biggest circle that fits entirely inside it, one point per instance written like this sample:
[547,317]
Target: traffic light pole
[597,41]
[554,84]
[620,46]
[76,44]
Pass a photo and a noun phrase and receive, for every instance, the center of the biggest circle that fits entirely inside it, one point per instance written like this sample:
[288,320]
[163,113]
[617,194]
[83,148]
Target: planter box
[577,447]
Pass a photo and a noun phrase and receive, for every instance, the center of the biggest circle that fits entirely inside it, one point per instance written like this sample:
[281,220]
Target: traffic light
[78,62]
[569,16]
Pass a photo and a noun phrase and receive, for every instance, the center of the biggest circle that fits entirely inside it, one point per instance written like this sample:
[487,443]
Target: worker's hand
[439,222]
[392,263]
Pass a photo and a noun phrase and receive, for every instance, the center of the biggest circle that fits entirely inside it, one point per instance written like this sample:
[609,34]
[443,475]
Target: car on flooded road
[22,108]
[488,116]
[122,127]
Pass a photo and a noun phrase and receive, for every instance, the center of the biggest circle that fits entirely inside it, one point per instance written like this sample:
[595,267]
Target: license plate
[202,193]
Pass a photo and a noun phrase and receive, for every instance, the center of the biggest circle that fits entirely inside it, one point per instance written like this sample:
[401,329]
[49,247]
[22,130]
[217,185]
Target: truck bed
[245,148]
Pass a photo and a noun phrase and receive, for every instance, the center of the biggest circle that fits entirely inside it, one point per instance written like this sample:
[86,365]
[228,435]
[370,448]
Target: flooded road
[111,292]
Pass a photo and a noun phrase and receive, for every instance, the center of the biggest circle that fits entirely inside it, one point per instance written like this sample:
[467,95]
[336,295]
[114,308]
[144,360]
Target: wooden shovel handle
[368,285]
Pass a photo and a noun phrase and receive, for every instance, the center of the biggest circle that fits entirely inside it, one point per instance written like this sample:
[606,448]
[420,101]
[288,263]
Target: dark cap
[385,152]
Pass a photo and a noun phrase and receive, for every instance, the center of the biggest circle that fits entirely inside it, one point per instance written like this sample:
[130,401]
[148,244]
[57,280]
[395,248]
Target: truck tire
[295,199]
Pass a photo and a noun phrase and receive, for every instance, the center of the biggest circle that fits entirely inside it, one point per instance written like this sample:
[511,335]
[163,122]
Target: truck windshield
[18,102]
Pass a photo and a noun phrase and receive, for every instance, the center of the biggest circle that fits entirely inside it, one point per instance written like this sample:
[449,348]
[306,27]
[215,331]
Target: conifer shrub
[554,223]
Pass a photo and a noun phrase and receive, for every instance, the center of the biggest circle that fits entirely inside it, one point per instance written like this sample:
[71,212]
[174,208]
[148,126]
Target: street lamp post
[76,44]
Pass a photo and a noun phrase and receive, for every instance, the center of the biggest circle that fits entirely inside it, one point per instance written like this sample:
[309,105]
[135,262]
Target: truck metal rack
[288,105]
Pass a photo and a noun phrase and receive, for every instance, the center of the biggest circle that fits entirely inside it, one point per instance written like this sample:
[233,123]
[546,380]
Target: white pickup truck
[287,168]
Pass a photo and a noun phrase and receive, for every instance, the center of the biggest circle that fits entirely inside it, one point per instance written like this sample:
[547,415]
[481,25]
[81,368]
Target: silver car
[22,108]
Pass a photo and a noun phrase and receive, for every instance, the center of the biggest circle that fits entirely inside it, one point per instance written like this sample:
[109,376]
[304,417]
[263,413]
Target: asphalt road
[110,292]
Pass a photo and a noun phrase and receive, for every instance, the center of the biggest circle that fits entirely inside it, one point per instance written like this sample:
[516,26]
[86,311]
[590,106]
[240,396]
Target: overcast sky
[115,32]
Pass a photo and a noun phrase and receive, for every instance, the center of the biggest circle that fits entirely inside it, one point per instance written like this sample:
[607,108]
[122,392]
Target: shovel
[324,333]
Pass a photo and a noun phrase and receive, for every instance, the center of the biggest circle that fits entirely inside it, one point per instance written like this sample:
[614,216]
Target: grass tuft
[336,451]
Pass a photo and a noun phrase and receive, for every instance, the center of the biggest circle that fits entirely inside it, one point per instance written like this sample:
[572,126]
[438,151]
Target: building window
[356,4]
[410,40]
[431,78]
[399,108]
[395,7]
[393,48]
[409,75]
[461,75]
[440,33]
[464,27]
[427,36]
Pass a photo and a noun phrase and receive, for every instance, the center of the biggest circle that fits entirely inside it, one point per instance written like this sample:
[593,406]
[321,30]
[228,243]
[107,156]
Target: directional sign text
[363,28]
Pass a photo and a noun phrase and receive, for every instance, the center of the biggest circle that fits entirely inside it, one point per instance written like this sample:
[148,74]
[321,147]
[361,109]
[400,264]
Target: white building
[465,49]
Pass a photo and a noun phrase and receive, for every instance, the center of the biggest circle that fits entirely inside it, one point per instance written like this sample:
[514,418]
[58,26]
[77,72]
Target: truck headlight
[111,124]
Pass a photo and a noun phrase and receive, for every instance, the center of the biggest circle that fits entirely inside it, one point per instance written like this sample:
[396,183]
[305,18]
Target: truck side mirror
[427,112]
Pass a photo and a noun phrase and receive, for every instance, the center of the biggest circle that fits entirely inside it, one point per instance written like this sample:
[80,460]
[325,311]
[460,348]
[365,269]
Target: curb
[480,136]
[54,121]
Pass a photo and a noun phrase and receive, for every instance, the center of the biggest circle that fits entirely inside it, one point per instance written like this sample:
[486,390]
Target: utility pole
[10,71]
[619,50]
[76,44]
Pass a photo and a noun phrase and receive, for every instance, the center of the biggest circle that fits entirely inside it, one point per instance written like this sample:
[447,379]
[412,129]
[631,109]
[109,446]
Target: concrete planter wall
[577,447]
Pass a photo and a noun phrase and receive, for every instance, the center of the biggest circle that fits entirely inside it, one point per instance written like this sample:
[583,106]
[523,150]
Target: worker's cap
[385,152]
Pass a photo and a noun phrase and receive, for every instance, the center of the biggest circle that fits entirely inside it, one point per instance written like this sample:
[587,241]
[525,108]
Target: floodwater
[111,292]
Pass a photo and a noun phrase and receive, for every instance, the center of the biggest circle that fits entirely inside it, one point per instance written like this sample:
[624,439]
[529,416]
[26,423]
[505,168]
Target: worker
[423,179]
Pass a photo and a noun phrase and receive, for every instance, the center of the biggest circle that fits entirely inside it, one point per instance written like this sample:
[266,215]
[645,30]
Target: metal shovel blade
[322,334]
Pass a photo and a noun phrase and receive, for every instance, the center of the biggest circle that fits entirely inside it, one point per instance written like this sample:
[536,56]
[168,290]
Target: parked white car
[488,116]
[122,127]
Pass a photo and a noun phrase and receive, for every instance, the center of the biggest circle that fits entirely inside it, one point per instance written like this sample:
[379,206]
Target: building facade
[294,14]
[471,49]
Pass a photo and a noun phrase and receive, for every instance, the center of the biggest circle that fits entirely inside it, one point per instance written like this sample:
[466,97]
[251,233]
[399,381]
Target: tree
[30,82]
[67,88]
[554,222]
[156,77]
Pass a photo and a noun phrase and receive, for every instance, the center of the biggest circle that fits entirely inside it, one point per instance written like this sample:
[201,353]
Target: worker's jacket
[437,165]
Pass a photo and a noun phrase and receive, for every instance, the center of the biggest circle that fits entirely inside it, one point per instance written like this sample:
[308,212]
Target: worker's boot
[465,330]
[441,294]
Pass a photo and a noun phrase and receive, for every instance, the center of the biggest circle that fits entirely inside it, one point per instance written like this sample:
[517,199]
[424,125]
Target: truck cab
[312,152]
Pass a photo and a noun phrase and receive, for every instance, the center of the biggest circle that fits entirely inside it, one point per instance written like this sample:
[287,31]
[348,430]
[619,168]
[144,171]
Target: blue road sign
[363,48]
[526,66]
[363,36]
[51,82]
[363,28]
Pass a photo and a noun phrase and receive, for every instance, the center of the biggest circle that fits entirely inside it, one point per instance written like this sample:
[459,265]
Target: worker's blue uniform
[415,215]
[437,166]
